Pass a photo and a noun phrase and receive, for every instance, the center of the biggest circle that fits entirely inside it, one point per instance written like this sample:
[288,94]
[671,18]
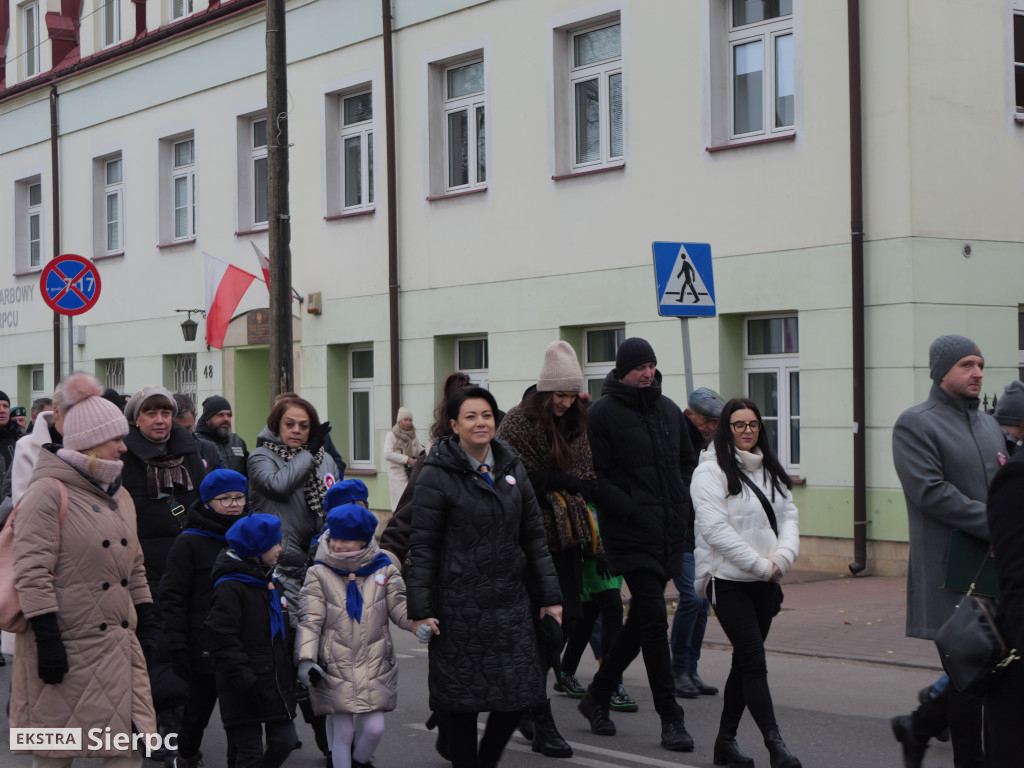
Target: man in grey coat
[946,452]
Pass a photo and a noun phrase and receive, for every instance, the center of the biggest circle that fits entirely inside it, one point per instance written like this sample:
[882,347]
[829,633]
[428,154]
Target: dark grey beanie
[1010,408]
[215,404]
[945,351]
[632,352]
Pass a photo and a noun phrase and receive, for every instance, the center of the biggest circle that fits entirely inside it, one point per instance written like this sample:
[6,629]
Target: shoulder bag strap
[764,501]
[974,581]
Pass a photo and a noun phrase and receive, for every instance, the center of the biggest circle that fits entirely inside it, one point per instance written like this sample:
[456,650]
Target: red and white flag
[225,286]
[264,263]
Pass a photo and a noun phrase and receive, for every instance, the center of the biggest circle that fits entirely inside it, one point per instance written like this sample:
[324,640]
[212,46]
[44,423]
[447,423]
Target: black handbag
[972,648]
[779,597]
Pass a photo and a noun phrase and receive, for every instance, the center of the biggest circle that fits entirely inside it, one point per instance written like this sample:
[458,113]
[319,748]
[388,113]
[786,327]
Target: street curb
[715,645]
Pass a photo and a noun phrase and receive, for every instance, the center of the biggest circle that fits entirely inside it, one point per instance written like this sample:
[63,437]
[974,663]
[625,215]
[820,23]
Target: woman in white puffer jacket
[741,555]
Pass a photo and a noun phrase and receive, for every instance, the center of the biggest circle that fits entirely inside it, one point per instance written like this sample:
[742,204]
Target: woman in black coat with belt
[479,562]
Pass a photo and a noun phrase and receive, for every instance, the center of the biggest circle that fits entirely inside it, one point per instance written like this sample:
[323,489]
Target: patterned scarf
[567,520]
[313,489]
[353,597]
[405,441]
[163,474]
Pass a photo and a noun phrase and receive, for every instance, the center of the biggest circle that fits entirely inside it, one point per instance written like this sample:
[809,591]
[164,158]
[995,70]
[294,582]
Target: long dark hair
[725,450]
[441,427]
[469,393]
[563,431]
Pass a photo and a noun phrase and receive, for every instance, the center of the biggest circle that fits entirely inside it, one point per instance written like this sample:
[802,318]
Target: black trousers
[1004,715]
[646,631]
[961,713]
[202,697]
[607,605]
[744,609]
[245,744]
[461,733]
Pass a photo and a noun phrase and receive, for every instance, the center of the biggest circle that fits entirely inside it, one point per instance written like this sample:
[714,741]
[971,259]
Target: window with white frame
[111,372]
[357,150]
[596,95]
[599,348]
[35,225]
[110,23]
[360,388]
[771,368]
[28,224]
[177,189]
[37,382]
[761,75]
[183,375]
[1020,343]
[180,9]
[113,206]
[1018,61]
[471,359]
[465,127]
[30,31]
[258,159]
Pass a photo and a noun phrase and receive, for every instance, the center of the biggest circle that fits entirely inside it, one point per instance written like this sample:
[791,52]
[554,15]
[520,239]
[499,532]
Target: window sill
[189,241]
[797,480]
[752,142]
[1019,117]
[28,272]
[577,174]
[462,193]
[350,214]
[349,472]
[102,256]
[254,231]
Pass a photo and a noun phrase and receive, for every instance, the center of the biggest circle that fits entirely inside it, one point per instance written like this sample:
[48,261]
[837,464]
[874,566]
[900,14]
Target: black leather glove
[563,481]
[317,437]
[53,658]
[602,567]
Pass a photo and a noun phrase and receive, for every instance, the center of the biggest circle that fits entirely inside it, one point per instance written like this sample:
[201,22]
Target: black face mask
[223,519]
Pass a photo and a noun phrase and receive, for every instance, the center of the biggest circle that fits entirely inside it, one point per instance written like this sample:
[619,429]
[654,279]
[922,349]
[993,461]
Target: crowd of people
[163,562]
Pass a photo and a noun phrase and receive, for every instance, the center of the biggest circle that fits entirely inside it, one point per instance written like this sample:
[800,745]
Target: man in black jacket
[215,425]
[643,459]
[9,433]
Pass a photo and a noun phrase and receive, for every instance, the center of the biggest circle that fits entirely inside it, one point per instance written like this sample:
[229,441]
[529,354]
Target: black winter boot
[727,751]
[779,754]
[546,738]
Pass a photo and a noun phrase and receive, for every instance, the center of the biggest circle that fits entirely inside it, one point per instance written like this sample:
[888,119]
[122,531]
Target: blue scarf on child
[207,534]
[353,597]
[276,614]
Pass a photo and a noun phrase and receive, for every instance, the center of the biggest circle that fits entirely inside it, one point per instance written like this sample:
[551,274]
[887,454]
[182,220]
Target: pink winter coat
[90,572]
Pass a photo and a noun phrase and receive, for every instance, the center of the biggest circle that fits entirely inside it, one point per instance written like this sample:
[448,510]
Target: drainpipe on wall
[857,268]
[389,144]
[55,186]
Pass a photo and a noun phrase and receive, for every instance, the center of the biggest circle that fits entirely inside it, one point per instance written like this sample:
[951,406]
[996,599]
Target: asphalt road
[833,714]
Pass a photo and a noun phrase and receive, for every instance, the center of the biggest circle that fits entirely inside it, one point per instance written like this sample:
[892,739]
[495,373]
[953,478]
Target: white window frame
[473,105]
[783,365]
[1020,342]
[603,71]
[595,370]
[360,131]
[30,34]
[767,33]
[180,9]
[258,155]
[480,377]
[356,386]
[35,216]
[1017,17]
[183,172]
[110,23]
[115,190]
[36,392]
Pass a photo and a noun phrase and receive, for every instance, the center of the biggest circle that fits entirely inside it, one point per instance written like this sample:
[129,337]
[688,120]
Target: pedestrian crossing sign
[685,283]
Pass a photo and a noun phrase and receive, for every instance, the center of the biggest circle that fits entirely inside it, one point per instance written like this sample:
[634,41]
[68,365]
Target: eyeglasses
[230,501]
[743,426]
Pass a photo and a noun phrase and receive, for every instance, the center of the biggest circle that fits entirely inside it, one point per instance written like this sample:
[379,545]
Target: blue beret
[345,492]
[351,522]
[254,535]
[222,481]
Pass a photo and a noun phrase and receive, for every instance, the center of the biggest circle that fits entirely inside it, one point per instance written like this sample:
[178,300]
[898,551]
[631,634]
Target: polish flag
[225,286]
[264,263]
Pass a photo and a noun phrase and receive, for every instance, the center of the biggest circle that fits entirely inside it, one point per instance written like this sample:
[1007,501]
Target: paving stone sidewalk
[828,615]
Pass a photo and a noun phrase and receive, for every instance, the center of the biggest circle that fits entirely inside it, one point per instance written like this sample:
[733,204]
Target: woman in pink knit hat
[81,584]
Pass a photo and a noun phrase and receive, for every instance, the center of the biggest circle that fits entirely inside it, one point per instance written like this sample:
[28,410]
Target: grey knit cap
[561,370]
[131,411]
[706,402]
[945,351]
[1010,408]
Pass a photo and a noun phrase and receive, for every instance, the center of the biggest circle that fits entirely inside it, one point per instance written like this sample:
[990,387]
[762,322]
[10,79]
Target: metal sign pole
[71,346]
[685,323]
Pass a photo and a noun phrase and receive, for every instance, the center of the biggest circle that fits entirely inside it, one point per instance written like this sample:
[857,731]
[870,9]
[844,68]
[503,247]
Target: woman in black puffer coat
[479,562]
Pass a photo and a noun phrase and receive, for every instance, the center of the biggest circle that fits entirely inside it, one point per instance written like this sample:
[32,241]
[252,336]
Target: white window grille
[30,15]
[113,374]
[35,225]
[184,375]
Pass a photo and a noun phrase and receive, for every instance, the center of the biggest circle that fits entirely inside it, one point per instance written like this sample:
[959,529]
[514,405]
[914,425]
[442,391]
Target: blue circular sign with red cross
[70,284]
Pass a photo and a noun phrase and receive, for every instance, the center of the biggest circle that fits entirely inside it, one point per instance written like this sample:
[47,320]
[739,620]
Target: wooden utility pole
[282,375]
